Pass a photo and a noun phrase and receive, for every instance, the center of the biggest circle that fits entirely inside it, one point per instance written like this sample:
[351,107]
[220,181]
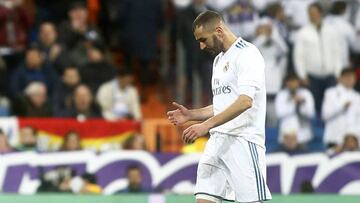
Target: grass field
[156,198]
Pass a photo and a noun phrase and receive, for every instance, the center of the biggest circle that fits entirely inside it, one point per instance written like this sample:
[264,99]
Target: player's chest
[224,73]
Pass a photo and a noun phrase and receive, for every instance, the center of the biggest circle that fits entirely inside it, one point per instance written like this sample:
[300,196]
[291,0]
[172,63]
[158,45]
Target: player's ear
[219,31]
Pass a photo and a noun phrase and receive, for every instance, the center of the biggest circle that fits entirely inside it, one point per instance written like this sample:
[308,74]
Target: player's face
[209,41]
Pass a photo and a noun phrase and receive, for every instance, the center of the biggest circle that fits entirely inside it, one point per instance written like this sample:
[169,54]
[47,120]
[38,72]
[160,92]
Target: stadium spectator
[295,107]
[345,28]
[118,98]
[34,69]
[28,139]
[34,102]
[341,109]
[71,142]
[63,93]
[242,19]
[140,36]
[196,61]
[14,28]
[317,54]
[98,70]
[54,53]
[280,21]
[83,106]
[274,50]
[85,184]
[77,30]
[135,142]
[56,180]
[297,12]
[350,143]
[135,181]
[5,105]
[290,144]
[77,34]
[4,144]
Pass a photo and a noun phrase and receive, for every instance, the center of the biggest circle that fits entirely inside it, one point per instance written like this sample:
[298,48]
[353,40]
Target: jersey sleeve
[250,70]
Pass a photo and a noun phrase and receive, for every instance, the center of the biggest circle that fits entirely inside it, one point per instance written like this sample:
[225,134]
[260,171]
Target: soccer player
[232,166]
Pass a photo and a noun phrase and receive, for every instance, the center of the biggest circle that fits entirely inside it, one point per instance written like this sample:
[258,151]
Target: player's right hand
[180,115]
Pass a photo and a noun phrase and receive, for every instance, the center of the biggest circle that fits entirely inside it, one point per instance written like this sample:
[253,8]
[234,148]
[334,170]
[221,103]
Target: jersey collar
[231,47]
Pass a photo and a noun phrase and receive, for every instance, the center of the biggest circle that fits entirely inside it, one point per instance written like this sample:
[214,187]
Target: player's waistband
[253,138]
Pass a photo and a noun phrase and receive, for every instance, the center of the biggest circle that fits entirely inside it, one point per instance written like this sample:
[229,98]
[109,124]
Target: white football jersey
[240,71]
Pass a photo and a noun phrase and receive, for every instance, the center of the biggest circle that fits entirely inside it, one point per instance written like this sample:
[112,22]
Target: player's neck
[228,41]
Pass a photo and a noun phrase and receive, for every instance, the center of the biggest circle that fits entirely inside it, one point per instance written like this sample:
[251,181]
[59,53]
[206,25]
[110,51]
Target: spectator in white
[297,11]
[274,50]
[118,98]
[341,109]
[317,54]
[295,107]
[346,30]
[242,19]
[280,21]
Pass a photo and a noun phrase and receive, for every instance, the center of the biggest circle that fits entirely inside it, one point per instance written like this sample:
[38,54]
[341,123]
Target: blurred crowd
[99,58]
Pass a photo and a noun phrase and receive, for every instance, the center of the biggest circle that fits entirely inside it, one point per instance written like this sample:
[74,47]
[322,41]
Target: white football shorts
[232,168]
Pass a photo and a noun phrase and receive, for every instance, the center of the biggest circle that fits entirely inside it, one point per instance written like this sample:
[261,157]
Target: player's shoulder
[246,51]
[245,48]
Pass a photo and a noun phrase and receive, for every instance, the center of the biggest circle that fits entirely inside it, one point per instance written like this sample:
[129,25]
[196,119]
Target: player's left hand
[193,132]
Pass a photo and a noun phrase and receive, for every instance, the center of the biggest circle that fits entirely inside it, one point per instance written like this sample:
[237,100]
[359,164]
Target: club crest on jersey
[226,67]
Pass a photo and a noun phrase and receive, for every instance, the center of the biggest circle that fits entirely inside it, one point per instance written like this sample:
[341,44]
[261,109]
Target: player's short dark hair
[346,71]
[318,6]
[206,18]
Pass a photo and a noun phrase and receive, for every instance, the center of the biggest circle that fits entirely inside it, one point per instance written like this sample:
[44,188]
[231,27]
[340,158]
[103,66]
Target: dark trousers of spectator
[271,118]
[317,86]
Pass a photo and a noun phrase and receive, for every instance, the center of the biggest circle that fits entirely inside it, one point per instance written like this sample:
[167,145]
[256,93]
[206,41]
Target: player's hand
[179,116]
[195,131]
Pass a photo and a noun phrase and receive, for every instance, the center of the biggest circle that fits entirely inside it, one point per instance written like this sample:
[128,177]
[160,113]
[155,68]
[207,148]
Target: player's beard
[217,48]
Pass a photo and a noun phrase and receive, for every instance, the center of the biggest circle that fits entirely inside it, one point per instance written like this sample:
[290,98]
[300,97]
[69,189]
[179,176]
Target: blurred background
[85,86]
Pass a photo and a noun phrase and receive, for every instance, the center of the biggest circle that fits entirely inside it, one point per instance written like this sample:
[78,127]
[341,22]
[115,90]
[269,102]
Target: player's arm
[202,114]
[182,115]
[241,104]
